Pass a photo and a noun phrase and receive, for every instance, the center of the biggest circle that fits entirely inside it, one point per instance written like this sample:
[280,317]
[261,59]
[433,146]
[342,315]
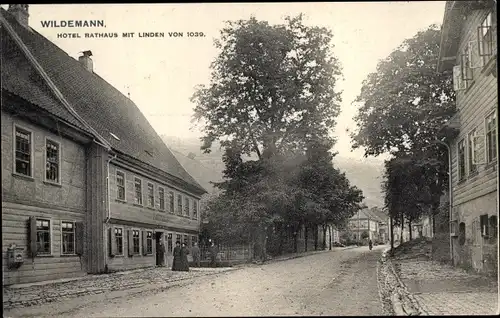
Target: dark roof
[19,78]
[101,105]
[454,18]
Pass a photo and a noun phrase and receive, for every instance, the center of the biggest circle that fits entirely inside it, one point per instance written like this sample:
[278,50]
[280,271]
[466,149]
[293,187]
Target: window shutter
[112,237]
[475,60]
[144,243]
[79,238]
[32,236]
[130,242]
[458,83]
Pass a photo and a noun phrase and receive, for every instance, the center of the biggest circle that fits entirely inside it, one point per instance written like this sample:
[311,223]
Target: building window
[472,147]
[138,191]
[136,242]
[23,152]
[149,243]
[119,241]
[485,35]
[179,204]
[151,195]
[193,240]
[52,157]
[171,201]
[43,239]
[461,160]
[195,209]
[68,237]
[186,240]
[120,185]
[186,206]
[178,238]
[491,137]
[169,243]
[161,197]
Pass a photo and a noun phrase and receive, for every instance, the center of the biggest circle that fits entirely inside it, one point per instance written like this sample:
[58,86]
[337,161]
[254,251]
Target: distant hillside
[366,174]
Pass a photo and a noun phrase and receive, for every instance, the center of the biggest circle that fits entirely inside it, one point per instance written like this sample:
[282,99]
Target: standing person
[195,252]
[184,258]
[176,265]
[213,255]
[161,253]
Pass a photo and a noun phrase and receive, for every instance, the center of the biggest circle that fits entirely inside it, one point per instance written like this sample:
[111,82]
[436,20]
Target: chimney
[86,61]
[20,12]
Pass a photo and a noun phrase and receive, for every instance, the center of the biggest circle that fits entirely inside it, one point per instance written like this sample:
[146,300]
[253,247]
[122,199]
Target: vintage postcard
[249,159]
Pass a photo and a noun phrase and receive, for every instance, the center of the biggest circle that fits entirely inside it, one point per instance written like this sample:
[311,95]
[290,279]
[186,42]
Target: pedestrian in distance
[176,265]
[213,255]
[184,258]
[195,252]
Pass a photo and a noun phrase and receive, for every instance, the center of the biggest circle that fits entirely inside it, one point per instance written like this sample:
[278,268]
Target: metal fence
[228,252]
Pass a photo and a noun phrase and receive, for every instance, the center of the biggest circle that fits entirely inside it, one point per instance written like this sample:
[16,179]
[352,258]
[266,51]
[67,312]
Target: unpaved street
[329,283]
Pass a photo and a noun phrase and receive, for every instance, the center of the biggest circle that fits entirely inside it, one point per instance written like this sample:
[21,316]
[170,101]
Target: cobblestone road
[446,290]
[93,285]
[329,283]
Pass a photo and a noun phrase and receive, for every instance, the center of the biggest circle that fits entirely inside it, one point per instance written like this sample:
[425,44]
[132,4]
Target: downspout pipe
[108,217]
[450,191]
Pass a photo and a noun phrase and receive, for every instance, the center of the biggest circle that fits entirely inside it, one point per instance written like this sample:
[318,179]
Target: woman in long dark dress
[184,258]
[177,264]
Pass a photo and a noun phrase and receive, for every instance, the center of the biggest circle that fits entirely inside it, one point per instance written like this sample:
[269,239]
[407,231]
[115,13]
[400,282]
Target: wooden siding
[126,262]
[24,197]
[476,194]
[474,104]
[69,195]
[129,211]
[15,219]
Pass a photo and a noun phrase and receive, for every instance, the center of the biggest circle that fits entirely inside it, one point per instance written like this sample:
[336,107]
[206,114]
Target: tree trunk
[295,241]
[282,238]
[330,232]
[402,228]
[392,232]
[410,230]
[316,237]
[324,236]
[306,236]
[264,247]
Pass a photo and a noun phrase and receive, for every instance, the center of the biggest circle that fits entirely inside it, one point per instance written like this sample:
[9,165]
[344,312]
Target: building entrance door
[160,249]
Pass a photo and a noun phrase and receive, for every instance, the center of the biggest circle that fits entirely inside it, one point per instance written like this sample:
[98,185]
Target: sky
[161,73]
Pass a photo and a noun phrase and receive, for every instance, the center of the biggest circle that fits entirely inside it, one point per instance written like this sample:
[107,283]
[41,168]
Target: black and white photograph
[236,159]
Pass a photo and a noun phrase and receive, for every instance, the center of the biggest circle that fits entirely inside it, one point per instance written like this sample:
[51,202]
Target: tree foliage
[272,87]
[403,108]
[272,94]
[404,104]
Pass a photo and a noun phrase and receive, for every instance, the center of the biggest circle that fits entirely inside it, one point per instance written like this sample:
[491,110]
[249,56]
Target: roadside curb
[304,254]
[403,302]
